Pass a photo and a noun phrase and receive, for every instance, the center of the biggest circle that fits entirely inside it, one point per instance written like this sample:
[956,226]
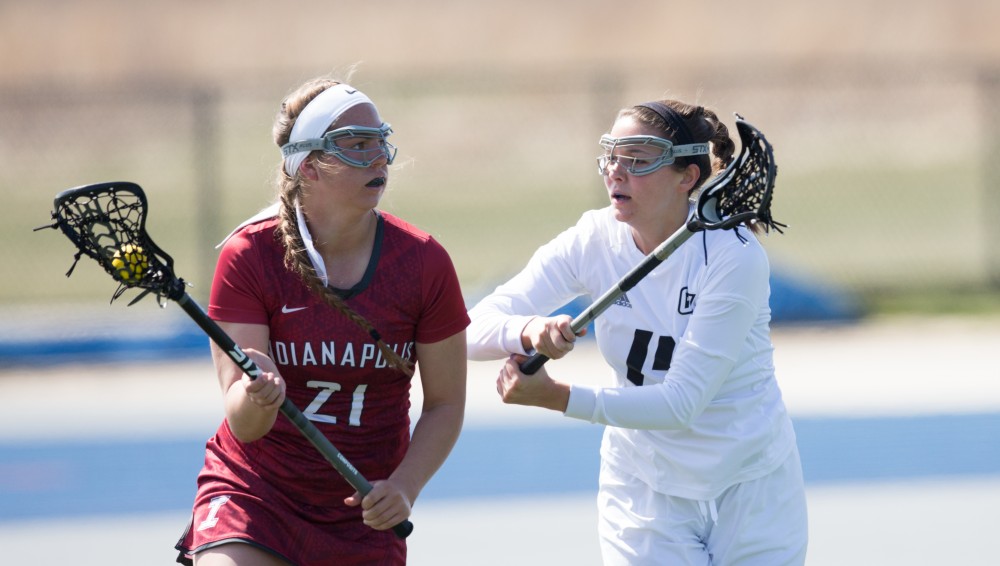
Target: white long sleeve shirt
[694,407]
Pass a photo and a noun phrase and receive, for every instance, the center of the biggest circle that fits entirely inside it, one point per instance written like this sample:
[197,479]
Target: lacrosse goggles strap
[683,146]
[673,120]
[308,132]
[641,165]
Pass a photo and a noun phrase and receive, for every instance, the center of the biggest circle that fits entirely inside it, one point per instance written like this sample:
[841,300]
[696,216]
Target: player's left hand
[384,507]
[537,389]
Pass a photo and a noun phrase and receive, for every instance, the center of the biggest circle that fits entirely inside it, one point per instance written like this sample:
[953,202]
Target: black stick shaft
[648,264]
[305,426]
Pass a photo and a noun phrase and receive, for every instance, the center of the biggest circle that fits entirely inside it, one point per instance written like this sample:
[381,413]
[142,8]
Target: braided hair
[296,257]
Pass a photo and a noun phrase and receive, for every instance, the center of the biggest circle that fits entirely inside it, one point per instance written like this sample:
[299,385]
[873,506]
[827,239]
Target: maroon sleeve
[236,294]
[444,313]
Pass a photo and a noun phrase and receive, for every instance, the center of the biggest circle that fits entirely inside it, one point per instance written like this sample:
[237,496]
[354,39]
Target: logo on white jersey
[623,301]
[286,310]
[685,302]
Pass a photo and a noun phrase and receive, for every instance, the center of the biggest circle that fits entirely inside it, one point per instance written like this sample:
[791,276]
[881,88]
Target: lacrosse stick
[107,222]
[739,195]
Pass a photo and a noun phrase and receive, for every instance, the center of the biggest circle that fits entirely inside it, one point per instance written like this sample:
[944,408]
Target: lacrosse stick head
[107,222]
[742,193]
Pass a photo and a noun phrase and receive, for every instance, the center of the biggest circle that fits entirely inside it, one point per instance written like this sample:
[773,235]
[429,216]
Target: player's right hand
[267,391]
[551,336]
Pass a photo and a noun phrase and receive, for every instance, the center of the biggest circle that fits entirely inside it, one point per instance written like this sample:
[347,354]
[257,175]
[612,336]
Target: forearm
[247,420]
[555,397]
[495,332]
[433,438]
[498,321]
[692,382]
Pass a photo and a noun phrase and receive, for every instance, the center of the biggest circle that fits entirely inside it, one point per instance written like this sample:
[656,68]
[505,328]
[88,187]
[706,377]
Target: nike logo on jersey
[685,302]
[286,310]
[623,301]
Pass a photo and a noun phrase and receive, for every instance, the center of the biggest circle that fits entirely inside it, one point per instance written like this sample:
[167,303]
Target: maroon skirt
[248,519]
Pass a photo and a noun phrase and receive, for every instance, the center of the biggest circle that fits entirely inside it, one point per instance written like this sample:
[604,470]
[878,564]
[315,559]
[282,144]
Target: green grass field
[496,172]
[492,230]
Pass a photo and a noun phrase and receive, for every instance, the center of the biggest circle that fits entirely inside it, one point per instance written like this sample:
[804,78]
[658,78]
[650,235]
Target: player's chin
[623,207]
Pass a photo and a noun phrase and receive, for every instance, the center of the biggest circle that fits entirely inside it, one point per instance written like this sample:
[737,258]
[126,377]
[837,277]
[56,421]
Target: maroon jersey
[336,376]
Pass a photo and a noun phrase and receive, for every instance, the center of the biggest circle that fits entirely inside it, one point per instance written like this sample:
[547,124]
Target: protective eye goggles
[649,153]
[357,154]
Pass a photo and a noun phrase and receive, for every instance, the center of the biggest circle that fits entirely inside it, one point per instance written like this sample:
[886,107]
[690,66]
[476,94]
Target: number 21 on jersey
[328,388]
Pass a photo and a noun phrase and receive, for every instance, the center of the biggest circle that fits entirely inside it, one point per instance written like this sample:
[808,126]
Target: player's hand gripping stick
[739,194]
[107,222]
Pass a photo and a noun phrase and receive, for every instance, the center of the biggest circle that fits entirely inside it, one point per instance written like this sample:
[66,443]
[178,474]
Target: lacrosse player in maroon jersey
[337,302]
[699,464]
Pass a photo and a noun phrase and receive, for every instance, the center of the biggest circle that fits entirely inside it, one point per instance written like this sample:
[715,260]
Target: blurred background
[884,122]
[883,116]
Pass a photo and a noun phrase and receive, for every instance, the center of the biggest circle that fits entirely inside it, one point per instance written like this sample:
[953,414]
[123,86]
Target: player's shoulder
[738,247]
[596,232]
[268,213]
[597,219]
[599,223]
[399,227]
[402,236]
[260,232]
[736,239]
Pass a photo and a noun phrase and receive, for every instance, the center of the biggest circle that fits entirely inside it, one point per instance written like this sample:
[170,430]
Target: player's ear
[308,169]
[689,177]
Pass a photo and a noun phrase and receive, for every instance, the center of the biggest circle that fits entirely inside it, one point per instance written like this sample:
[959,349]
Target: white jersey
[695,407]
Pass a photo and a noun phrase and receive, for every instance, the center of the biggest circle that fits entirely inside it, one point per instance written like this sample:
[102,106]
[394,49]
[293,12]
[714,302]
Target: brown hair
[704,127]
[289,188]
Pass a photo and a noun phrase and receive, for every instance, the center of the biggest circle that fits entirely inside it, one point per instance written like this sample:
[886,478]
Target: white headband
[317,116]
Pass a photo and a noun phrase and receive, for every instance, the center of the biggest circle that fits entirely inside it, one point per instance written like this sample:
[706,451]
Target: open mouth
[376,182]
[618,197]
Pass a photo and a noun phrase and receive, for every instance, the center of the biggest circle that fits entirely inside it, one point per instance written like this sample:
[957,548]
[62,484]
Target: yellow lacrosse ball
[130,263]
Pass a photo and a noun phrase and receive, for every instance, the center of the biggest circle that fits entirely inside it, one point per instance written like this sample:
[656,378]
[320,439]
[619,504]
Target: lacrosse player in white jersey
[699,463]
